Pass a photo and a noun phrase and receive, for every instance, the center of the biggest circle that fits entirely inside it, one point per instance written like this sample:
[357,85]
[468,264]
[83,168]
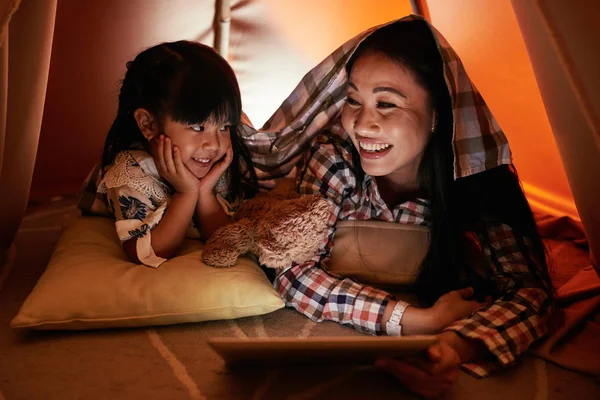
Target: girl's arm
[168,235]
[211,215]
[150,223]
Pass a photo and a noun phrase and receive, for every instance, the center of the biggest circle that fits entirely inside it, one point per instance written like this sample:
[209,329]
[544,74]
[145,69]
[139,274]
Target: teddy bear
[280,227]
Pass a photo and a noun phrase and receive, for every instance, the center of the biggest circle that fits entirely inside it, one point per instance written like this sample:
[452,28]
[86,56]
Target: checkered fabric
[507,327]
[479,143]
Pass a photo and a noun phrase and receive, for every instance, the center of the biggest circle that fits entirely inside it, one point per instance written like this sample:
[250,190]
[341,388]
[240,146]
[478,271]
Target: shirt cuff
[497,347]
[368,309]
[131,228]
[145,252]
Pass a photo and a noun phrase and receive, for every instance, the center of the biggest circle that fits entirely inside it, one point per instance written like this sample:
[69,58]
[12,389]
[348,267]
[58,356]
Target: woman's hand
[170,167]
[429,375]
[210,180]
[454,306]
[449,308]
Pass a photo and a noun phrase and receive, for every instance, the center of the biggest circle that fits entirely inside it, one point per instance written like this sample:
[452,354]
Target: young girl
[414,143]
[173,162]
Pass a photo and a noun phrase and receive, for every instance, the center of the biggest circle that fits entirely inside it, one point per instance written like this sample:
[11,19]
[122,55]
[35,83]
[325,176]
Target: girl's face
[388,116]
[202,145]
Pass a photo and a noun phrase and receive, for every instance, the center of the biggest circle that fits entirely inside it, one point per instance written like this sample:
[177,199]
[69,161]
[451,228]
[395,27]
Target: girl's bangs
[198,112]
[197,99]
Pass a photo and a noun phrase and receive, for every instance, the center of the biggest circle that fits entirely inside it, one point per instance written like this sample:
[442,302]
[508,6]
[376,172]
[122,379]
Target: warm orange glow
[549,203]
[297,36]
[274,43]
[330,23]
[487,37]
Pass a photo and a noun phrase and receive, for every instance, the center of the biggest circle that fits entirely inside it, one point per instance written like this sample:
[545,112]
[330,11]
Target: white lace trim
[127,171]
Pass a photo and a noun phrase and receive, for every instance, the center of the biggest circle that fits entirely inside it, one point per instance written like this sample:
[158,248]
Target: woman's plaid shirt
[507,327]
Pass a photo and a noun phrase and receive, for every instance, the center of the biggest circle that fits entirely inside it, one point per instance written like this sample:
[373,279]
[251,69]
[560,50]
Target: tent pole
[419,7]
[222,27]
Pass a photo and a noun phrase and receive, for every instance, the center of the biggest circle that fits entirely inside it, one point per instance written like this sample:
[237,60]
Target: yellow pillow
[89,283]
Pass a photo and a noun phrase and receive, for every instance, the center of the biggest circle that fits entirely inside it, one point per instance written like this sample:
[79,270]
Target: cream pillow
[89,283]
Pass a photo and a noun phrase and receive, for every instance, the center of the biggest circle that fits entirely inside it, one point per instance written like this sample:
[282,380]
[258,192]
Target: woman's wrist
[418,321]
[415,320]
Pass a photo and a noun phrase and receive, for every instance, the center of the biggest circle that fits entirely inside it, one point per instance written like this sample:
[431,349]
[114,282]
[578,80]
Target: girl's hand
[170,167]
[209,181]
[428,375]
[454,306]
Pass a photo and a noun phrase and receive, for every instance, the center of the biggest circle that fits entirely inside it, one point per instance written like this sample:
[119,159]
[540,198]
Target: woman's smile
[372,151]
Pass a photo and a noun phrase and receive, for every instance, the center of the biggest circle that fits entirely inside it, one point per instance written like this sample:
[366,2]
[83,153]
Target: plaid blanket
[479,143]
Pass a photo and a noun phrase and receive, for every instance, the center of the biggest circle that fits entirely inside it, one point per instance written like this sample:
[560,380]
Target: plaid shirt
[507,327]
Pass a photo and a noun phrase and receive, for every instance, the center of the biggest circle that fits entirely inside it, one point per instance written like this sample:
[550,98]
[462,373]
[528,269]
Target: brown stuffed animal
[279,227]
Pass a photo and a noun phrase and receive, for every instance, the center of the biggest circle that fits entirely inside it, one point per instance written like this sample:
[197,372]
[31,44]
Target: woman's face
[388,116]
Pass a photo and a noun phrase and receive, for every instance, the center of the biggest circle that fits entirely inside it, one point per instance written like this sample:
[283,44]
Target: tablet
[342,350]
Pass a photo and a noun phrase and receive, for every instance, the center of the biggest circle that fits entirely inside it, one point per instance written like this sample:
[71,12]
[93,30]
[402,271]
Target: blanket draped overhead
[478,142]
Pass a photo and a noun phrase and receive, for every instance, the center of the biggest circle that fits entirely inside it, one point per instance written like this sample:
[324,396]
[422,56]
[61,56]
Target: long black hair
[189,83]
[459,209]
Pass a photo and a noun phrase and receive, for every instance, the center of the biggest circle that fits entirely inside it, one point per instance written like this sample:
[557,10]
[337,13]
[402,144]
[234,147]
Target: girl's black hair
[459,209]
[189,83]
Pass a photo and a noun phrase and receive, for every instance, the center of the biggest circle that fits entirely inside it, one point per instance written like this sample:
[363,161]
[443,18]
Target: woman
[415,144]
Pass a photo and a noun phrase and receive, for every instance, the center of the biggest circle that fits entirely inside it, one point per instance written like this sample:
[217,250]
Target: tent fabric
[7,9]
[572,341]
[560,39]
[26,45]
